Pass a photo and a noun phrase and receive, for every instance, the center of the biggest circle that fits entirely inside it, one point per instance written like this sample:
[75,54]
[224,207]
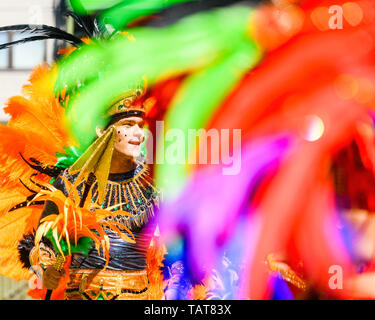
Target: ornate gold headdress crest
[127,103]
[130,102]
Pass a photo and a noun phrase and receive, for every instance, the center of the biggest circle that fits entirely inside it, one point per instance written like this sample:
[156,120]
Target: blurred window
[27,55]
[4,54]
[23,56]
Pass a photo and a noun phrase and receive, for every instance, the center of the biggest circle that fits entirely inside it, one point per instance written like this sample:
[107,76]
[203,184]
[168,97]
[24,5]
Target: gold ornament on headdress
[127,103]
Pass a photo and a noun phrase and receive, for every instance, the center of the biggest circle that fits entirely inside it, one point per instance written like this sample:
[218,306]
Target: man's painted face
[129,136]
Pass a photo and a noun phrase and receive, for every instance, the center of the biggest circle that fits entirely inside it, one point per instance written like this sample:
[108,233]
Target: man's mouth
[135,142]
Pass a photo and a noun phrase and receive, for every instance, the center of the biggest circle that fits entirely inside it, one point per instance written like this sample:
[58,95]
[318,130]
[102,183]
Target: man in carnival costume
[91,228]
[116,180]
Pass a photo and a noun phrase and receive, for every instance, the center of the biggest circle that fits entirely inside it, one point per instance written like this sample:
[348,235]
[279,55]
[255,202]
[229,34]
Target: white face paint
[129,136]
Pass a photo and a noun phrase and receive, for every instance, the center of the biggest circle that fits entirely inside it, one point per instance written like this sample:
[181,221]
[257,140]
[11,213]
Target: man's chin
[135,154]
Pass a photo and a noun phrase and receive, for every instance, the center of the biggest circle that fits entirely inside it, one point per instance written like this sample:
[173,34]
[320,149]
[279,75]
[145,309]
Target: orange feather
[36,130]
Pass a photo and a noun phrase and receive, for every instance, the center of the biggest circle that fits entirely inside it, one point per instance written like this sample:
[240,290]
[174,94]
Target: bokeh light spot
[313,128]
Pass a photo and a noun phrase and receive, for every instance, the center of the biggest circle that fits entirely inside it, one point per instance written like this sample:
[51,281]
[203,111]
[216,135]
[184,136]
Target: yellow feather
[56,238]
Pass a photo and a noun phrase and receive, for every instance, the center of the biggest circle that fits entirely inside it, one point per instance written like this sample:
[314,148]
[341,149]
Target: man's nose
[138,131]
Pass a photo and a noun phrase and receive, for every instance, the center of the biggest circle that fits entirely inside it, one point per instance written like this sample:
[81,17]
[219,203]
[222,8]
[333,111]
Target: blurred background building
[15,66]
[17,62]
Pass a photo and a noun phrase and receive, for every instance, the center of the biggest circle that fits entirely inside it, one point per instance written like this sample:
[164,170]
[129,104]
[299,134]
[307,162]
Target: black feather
[24,248]
[32,191]
[51,171]
[37,33]
[86,23]
[41,29]
[39,185]
[26,245]
[27,203]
